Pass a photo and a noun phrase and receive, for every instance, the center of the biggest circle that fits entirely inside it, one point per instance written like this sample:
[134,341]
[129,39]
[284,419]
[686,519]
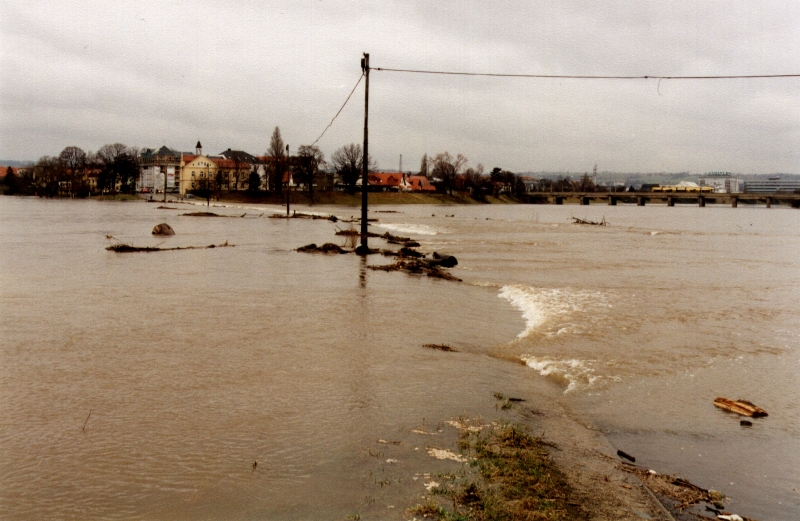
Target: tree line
[116,167]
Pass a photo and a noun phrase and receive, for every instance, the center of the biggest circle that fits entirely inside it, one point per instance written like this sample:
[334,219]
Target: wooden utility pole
[364,248]
[288,180]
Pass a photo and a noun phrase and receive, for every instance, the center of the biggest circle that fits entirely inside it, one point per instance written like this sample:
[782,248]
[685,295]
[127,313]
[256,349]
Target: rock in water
[445,261]
[163,229]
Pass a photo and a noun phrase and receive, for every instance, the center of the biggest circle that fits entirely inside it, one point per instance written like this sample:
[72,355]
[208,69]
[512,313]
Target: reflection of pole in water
[362,273]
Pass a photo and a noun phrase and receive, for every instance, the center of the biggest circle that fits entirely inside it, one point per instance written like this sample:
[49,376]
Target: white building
[722,182]
[773,185]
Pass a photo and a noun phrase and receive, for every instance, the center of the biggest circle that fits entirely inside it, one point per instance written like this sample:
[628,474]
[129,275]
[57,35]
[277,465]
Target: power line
[340,110]
[589,77]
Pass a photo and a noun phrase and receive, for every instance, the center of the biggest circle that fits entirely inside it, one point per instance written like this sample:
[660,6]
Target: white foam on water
[547,310]
[576,374]
[418,229]
[236,206]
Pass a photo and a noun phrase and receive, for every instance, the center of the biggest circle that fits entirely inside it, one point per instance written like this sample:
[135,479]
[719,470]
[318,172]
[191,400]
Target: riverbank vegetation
[514,479]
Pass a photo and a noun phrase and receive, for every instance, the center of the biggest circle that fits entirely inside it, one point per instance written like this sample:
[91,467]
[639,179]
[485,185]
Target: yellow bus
[683,188]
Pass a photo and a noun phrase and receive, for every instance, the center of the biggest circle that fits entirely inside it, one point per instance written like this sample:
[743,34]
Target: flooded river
[144,386]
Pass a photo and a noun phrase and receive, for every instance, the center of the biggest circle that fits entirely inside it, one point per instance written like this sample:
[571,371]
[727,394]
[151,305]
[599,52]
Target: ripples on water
[197,363]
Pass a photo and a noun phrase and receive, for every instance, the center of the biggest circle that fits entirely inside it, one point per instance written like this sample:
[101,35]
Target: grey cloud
[152,73]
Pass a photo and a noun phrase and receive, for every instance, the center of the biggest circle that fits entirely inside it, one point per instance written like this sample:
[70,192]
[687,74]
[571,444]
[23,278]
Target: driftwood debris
[356,233]
[127,248]
[165,208]
[394,239]
[441,347]
[202,214]
[328,247]
[575,220]
[409,252]
[83,429]
[625,455]
[417,266]
[684,493]
[357,220]
[298,215]
[741,407]
[163,229]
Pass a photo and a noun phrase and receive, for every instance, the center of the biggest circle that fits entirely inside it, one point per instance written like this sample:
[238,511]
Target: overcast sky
[151,73]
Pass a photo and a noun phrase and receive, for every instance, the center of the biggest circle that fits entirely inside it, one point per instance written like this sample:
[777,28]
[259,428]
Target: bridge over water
[668,198]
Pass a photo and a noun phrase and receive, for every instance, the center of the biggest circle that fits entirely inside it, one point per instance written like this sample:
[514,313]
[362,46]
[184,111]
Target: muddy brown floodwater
[196,363]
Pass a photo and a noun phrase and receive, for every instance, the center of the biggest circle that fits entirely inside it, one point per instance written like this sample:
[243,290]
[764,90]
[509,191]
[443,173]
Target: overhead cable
[340,110]
[589,77]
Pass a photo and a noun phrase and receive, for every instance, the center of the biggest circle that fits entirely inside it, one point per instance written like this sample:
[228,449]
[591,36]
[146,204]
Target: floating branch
[416,266]
[127,248]
[328,247]
[87,421]
[441,347]
[575,220]
[296,215]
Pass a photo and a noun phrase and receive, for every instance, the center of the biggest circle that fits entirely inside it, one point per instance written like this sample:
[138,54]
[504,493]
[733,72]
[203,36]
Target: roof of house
[4,170]
[420,183]
[241,155]
[221,162]
[163,151]
[386,179]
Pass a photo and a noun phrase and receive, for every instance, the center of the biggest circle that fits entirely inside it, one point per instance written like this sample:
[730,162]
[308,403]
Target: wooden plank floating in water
[742,407]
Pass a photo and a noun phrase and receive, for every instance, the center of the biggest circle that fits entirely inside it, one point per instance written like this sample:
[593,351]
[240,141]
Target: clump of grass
[430,510]
[516,480]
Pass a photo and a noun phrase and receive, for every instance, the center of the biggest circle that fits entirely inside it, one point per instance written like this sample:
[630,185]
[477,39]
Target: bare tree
[74,161]
[310,160]
[47,173]
[204,188]
[473,180]
[277,151]
[348,164]
[239,173]
[423,166]
[447,167]
[108,157]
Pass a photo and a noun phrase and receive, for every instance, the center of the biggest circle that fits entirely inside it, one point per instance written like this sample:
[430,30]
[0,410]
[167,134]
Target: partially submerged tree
[347,162]
[47,173]
[474,181]
[309,161]
[447,167]
[204,188]
[254,181]
[75,162]
[11,182]
[277,152]
[119,164]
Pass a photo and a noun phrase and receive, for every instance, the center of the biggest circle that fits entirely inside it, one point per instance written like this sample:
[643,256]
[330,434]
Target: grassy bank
[514,479]
[378,198]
